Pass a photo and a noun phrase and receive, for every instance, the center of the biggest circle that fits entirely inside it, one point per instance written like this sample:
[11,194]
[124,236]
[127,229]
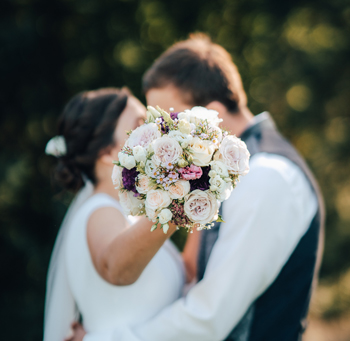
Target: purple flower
[173,115]
[203,182]
[163,126]
[129,179]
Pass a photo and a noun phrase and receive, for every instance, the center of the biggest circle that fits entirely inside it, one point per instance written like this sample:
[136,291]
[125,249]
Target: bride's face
[133,115]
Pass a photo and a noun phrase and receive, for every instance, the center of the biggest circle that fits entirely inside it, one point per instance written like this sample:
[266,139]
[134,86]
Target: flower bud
[182,163]
[184,145]
[213,188]
[165,228]
[154,112]
[150,117]
[212,174]
[189,158]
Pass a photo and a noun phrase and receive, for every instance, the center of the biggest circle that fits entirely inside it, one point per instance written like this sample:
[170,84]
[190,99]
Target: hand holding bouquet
[177,166]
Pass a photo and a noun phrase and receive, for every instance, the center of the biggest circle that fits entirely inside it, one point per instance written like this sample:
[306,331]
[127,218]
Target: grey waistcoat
[279,313]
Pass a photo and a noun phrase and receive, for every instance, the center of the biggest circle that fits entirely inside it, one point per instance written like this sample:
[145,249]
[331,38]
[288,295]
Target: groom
[255,271]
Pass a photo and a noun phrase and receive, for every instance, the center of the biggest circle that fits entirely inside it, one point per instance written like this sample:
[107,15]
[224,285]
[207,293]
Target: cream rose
[179,189]
[131,205]
[127,161]
[139,154]
[201,151]
[235,155]
[201,206]
[151,214]
[143,136]
[117,177]
[165,215]
[157,199]
[166,151]
[144,184]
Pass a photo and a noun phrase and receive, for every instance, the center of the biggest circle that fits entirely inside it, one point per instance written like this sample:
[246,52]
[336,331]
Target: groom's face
[168,97]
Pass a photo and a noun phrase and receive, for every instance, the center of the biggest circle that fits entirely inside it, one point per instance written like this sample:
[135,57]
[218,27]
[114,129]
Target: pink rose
[191,173]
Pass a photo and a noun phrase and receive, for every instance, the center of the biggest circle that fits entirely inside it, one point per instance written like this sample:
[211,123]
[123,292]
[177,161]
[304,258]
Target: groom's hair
[202,70]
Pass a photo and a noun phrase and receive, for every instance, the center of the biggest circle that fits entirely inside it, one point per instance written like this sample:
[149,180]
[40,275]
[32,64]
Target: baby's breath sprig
[127,150]
[164,177]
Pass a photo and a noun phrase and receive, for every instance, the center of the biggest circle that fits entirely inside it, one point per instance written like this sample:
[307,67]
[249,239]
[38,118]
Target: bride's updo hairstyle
[87,124]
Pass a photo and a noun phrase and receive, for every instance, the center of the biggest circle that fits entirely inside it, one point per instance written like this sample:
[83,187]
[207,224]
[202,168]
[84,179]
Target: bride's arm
[190,255]
[120,253]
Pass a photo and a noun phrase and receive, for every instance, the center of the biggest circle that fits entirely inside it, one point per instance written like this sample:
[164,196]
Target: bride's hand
[78,332]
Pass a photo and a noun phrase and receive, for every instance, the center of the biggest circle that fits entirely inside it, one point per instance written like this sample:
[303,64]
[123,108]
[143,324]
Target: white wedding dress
[104,306]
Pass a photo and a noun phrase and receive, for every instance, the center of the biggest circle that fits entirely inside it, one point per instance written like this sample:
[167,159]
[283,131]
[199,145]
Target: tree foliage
[294,60]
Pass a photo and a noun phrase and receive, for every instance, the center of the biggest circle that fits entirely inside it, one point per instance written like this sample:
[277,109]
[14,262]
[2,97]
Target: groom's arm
[268,213]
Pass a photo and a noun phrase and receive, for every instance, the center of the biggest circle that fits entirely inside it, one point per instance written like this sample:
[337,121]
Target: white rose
[218,183]
[235,155]
[127,161]
[220,168]
[143,135]
[157,199]
[179,136]
[131,205]
[201,151]
[144,184]
[165,215]
[139,154]
[166,151]
[201,206]
[185,116]
[150,168]
[226,193]
[198,114]
[179,189]
[117,177]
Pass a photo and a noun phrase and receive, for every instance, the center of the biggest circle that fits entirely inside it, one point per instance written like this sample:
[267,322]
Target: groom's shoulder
[270,162]
[272,168]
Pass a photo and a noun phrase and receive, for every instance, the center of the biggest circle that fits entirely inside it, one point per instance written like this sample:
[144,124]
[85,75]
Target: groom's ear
[217,106]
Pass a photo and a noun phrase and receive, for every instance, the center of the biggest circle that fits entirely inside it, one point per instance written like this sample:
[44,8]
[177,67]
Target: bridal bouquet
[177,166]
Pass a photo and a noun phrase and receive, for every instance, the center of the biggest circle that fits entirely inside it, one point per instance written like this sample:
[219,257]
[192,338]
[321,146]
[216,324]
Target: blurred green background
[294,57]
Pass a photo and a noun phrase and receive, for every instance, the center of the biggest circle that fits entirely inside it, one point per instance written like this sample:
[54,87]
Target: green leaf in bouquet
[220,220]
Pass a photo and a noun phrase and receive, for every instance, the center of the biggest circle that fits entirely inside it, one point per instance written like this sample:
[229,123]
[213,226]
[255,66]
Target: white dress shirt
[267,214]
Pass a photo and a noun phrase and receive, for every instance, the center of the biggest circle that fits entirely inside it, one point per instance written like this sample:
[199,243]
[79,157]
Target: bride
[99,267]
